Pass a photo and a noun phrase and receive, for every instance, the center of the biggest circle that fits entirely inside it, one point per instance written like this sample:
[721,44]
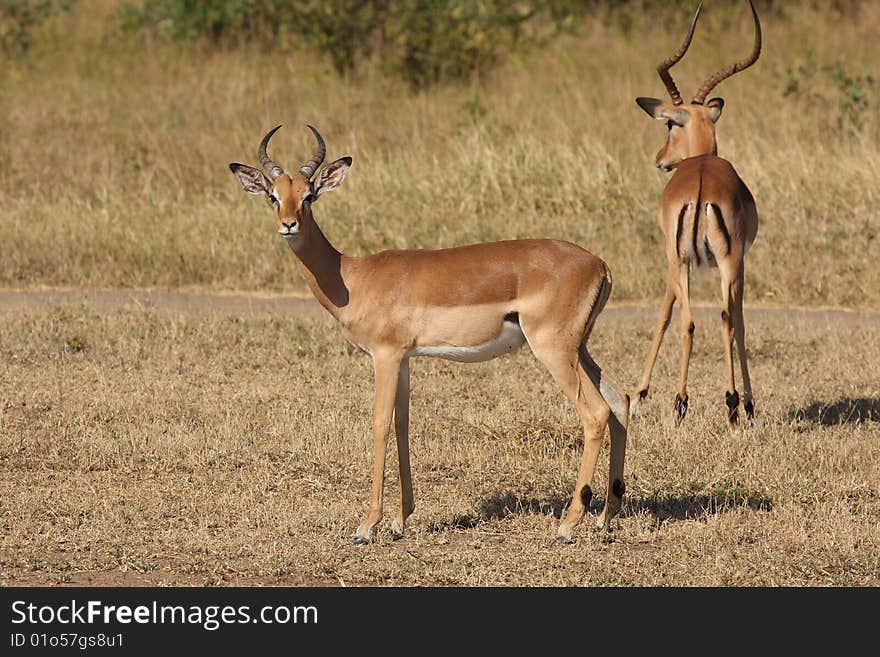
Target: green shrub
[19,18]
[423,41]
[430,41]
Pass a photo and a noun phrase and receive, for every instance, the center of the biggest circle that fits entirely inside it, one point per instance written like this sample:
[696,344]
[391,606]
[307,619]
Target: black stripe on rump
[696,228]
[721,226]
[678,231]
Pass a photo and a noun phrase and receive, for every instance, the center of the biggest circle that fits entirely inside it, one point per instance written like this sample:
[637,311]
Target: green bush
[19,18]
[423,41]
[430,41]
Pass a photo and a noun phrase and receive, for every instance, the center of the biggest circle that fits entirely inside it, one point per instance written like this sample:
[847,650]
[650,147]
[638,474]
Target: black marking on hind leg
[750,410]
[618,488]
[732,401]
[681,406]
[512,318]
[586,497]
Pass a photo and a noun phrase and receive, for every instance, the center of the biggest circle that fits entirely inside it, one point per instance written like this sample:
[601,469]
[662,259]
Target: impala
[466,304]
[708,218]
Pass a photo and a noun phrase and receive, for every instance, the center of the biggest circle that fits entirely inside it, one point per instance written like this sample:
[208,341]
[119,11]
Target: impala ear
[252,180]
[657,109]
[332,175]
[715,105]
[650,105]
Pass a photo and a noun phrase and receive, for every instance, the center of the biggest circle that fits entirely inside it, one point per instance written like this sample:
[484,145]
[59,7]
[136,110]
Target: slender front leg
[659,332]
[687,340]
[401,429]
[386,369]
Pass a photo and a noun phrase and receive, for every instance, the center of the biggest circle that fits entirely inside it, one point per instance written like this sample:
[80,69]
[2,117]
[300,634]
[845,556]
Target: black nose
[292,224]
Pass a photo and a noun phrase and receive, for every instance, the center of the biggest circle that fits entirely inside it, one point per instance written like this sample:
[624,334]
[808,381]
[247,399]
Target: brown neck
[321,265]
[702,144]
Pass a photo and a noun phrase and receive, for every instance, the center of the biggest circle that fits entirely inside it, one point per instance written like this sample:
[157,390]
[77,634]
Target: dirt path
[246,305]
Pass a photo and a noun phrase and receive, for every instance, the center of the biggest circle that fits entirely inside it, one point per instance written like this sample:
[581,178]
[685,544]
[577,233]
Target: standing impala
[466,304]
[708,218]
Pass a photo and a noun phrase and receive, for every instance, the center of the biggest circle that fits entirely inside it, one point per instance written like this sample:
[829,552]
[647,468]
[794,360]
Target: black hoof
[360,540]
[396,536]
[750,410]
[681,407]
[562,540]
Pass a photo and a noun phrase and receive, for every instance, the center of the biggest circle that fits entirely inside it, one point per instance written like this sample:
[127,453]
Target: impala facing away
[466,304]
[709,219]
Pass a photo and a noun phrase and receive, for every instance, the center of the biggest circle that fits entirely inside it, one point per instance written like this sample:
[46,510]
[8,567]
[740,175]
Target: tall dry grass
[113,155]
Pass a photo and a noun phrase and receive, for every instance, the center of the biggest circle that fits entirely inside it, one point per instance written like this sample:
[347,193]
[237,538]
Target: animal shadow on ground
[844,411]
[502,505]
[689,506]
[693,506]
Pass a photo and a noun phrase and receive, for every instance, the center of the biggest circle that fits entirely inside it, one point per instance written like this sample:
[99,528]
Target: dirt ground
[158,438]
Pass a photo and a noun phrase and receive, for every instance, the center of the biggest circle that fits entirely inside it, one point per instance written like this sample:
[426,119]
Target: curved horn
[725,73]
[308,169]
[664,66]
[268,165]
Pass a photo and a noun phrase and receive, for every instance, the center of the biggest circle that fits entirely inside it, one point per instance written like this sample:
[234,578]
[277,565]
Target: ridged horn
[664,66]
[308,169]
[271,169]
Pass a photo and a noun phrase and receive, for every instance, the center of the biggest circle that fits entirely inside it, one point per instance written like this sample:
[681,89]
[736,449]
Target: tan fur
[708,218]
[397,303]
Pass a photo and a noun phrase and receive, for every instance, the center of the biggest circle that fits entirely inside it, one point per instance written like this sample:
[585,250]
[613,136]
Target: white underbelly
[509,339]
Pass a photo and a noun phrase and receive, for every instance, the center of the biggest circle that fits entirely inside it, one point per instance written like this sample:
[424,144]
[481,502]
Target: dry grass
[113,164]
[139,448]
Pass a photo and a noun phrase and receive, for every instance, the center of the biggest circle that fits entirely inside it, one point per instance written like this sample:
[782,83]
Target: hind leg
[739,332]
[687,341]
[562,362]
[617,423]
[731,397]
